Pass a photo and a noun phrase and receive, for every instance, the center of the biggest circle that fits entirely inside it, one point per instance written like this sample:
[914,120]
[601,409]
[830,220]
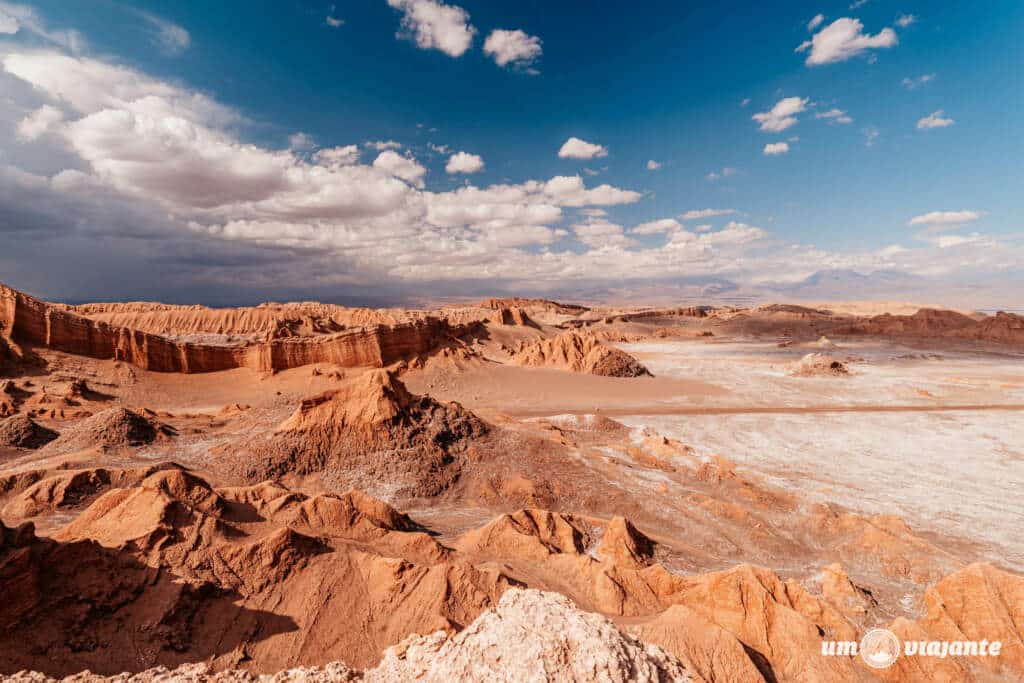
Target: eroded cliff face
[24,318]
[1002,328]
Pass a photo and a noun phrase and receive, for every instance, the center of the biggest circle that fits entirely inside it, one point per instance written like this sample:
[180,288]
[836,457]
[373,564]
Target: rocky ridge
[578,352]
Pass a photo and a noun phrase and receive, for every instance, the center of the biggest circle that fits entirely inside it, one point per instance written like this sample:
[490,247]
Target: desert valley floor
[715,490]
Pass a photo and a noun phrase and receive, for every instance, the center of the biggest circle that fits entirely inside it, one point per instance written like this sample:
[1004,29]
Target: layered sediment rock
[537,304]
[1004,328]
[36,322]
[269,319]
[655,313]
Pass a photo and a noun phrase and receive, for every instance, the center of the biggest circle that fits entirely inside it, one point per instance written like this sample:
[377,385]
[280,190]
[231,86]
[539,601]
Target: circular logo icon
[879,648]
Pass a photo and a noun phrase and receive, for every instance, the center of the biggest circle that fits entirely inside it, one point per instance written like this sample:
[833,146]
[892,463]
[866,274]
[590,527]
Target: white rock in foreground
[531,636]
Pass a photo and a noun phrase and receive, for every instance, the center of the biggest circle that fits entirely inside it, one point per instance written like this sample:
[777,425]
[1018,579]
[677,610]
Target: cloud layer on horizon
[155,170]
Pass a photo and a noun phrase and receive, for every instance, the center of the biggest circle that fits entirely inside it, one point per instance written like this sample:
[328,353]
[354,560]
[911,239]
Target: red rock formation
[172,570]
[540,304]
[372,430]
[679,312]
[36,322]
[512,316]
[22,432]
[578,352]
[976,603]
[1004,328]
[263,320]
[274,578]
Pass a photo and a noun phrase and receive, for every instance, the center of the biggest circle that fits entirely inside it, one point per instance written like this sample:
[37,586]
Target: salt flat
[959,472]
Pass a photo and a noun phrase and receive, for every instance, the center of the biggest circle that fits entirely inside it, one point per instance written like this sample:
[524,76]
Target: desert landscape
[444,341]
[512,486]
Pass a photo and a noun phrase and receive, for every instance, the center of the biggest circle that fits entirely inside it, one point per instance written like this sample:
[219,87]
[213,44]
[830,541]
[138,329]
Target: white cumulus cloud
[937,119]
[776,148]
[463,162]
[653,165]
[435,25]
[843,39]
[782,115]
[574,148]
[512,47]
[599,233]
[406,168]
[834,115]
[945,218]
[381,145]
[338,156]
[39,122]
[656,227]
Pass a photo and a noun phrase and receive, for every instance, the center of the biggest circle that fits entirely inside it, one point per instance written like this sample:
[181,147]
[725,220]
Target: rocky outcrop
[22,431]
[512,316]
[625,546]
[371,430]
[173,570]
[38,492]
[36,322]
[578,352]
[656,313]
[530,534]
[1003,328]
[109,429]
[561,643]
[818,365]
[976,603]
[545,305]
[269,319]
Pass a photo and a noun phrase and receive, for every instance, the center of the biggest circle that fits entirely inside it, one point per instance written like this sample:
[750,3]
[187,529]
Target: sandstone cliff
[1004,328]
[26,319]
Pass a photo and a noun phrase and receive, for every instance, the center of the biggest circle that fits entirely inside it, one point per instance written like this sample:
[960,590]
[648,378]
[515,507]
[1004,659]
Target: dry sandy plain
[243,492]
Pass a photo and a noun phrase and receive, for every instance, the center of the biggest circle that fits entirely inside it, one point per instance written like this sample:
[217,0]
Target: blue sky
[876,170]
